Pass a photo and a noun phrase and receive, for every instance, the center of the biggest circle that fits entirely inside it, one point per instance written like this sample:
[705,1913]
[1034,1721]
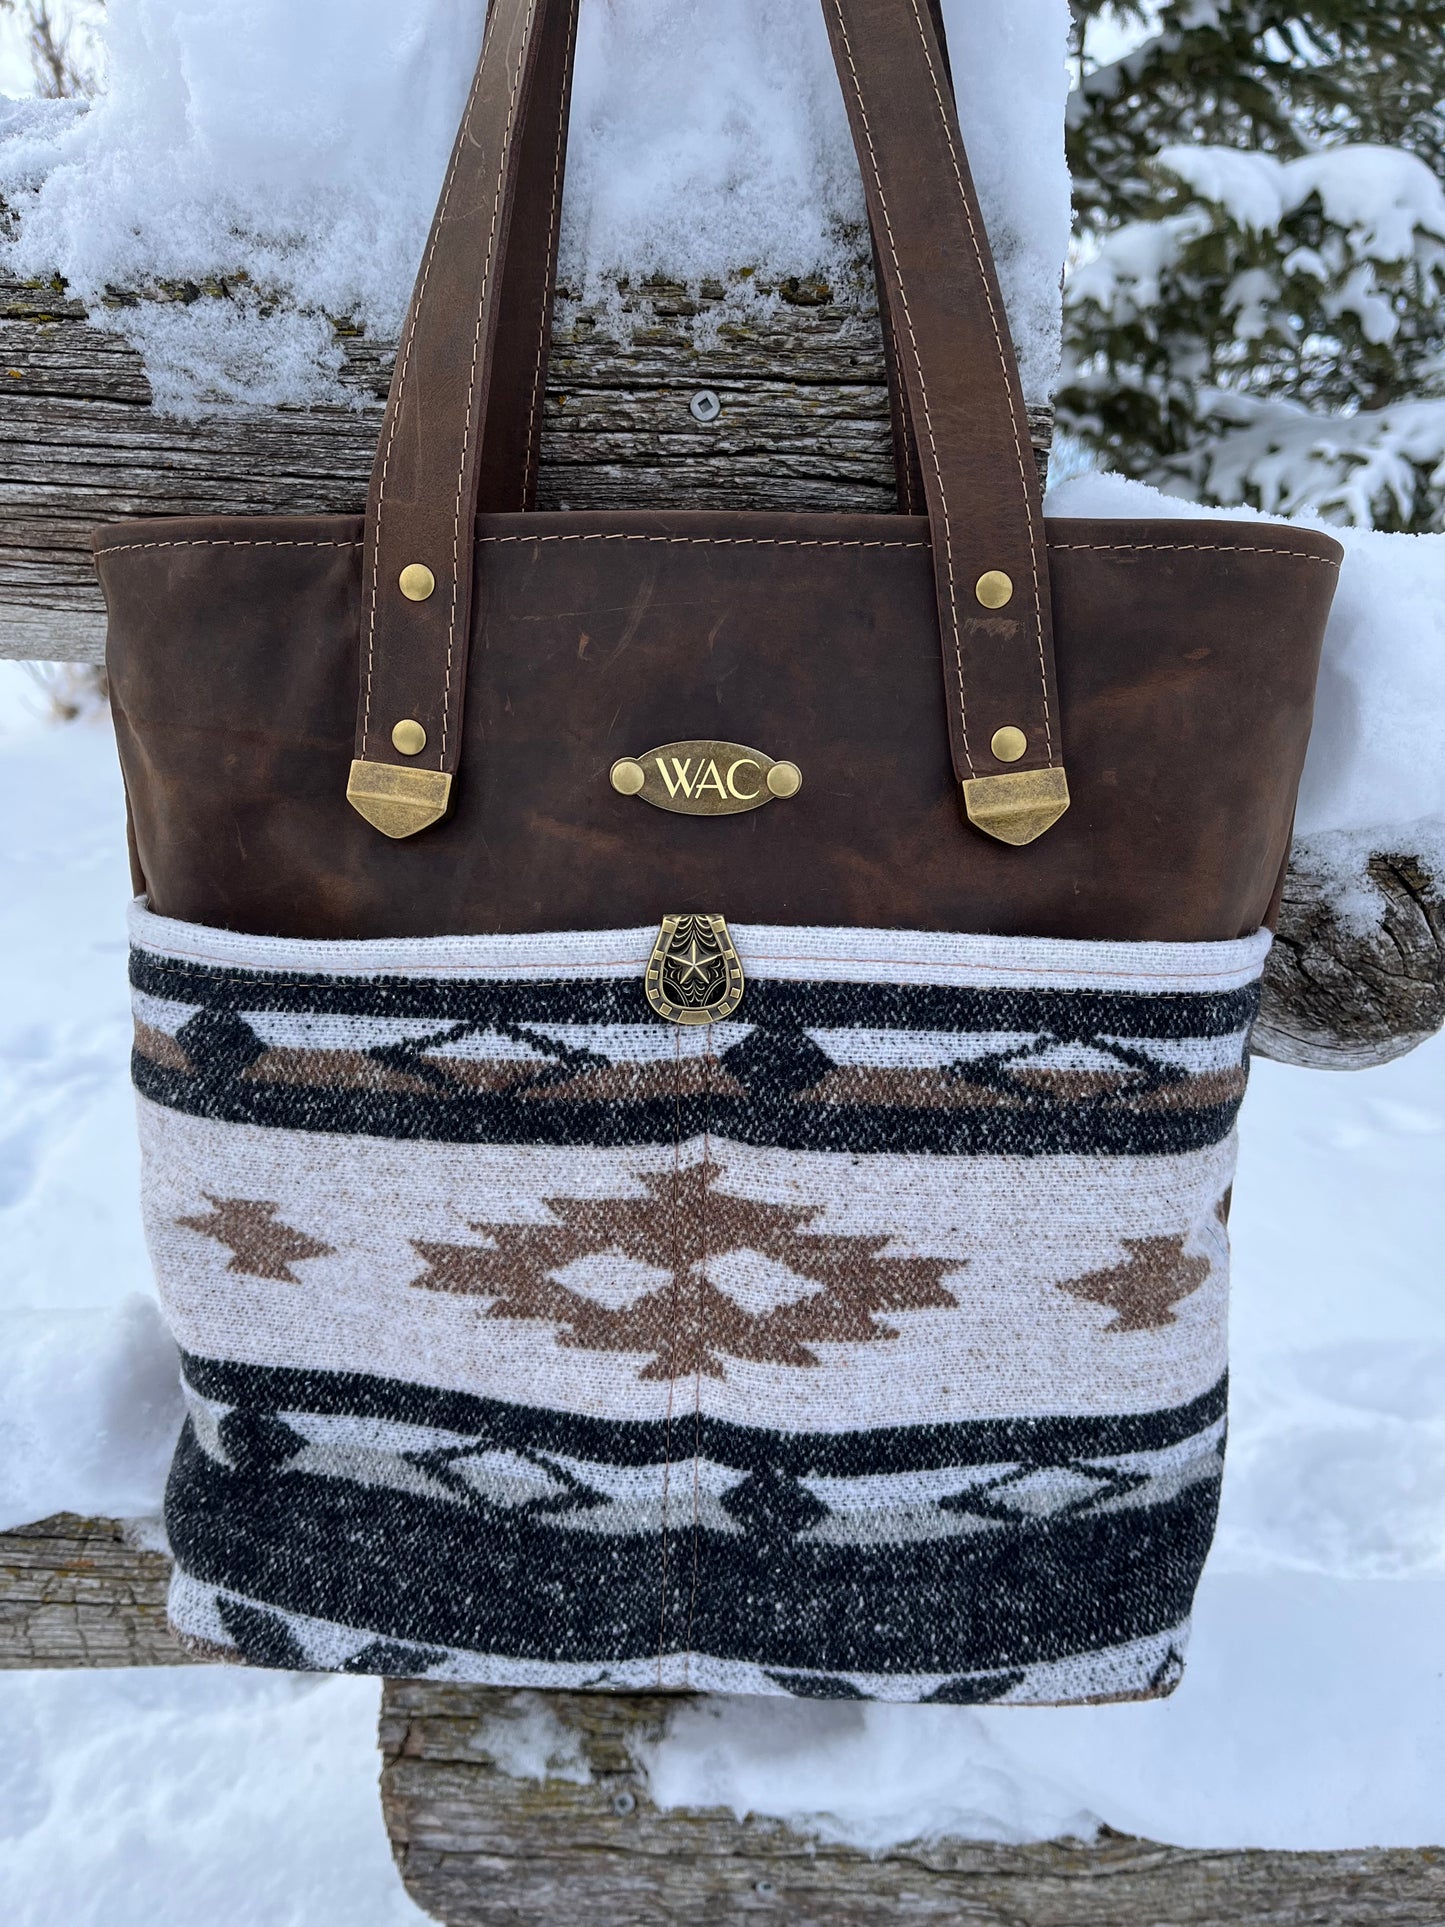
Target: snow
[1313,1713]
[1367,264]
[1343,470]
[529,1742]
[1124,272]
[1383,210]
[1384,196]
[168,1798]
[1312,1716]
[88,1396]
[303,148]
[89,1410]
[1374,777]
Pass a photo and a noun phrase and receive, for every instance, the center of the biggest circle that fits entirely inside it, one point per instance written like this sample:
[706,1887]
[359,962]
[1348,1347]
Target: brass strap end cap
[398,802]
[1019,806]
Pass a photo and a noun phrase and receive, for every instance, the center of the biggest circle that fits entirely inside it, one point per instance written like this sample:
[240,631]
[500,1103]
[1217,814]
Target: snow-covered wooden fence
[478,1846]
[802,423]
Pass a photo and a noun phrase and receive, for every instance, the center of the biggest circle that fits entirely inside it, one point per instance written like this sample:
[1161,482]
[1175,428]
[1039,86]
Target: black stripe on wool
[1167,1015]
[1043,1126]
[273,1390]
[490,1580]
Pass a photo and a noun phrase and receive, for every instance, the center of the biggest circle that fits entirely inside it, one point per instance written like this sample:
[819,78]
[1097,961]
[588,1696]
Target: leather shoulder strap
[948,336]
[514,417]
[507,471]
[421,511]
[958,365]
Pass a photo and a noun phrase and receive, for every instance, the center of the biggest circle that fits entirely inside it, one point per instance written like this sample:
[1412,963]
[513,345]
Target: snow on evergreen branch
[1271,336]
[1276,76]
[1382,468]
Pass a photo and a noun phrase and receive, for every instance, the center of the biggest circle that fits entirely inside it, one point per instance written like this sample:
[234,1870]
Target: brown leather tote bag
[687,1062]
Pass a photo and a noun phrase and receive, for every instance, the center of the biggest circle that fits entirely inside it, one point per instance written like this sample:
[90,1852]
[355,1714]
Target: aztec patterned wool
[870,1343]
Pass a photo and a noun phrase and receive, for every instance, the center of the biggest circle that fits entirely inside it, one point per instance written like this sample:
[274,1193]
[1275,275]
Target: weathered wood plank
[477,1848]
[78,1592]
[803,425]
[1343,999]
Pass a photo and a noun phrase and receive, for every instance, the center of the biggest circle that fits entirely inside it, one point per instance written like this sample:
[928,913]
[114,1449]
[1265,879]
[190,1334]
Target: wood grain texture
[1339,998]
[804,425]
[478,1848]
[78,1592]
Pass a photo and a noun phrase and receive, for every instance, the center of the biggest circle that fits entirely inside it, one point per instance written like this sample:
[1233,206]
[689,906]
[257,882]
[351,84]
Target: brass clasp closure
[694,975]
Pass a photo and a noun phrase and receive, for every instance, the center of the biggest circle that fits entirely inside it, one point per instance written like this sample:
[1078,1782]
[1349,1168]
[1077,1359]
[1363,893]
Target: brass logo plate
[693,975]
[706,777]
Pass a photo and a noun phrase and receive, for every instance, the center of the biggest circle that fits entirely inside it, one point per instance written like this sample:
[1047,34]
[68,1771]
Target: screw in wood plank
[765,1888]
[624,1803]
[705,406]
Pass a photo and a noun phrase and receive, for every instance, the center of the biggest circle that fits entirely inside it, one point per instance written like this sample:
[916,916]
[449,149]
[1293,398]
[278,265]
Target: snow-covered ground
[1313,1713]
[163,1799]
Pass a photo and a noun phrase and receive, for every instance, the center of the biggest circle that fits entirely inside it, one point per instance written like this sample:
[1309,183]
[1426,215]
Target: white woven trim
[1124,1672]
[815,955]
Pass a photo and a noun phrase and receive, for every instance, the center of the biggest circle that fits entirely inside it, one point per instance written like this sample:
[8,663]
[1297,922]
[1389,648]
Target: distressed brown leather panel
[1187,654]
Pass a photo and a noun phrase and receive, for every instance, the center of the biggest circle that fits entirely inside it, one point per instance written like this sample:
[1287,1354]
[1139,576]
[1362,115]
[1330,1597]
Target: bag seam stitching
[351,979]
[672,1352]
[730,541]
[710,1060]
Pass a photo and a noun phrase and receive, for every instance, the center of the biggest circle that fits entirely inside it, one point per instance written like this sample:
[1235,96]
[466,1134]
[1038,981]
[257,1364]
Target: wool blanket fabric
[870,1344]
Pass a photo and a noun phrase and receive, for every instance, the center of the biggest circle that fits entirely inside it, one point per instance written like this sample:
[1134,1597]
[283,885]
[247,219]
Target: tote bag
[688,1062]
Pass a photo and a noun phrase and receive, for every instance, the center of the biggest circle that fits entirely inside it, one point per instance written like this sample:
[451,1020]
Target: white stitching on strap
[531,463]
[1019,438]
[472,376]
[405,363]
[922,387]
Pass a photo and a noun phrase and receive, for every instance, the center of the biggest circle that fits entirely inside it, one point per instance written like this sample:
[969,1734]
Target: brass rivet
[1009,743]
[628,776]
[417,582]
[409,737]
[994,589]
[785,779]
